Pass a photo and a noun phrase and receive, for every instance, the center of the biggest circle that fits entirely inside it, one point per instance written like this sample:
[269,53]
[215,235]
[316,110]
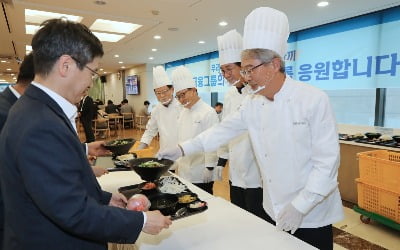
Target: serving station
[221,226]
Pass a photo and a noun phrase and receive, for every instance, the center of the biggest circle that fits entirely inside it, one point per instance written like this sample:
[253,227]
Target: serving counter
[222,226]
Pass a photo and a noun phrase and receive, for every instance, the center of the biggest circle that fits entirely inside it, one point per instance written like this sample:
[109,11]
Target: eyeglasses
[182,94]
[95,75]
[162,92]
[226,71]
[247,72]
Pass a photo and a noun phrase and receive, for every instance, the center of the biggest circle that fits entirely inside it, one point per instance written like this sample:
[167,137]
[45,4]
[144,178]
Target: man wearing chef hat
[196,117]
[164,117]
[293,132]
[244,173]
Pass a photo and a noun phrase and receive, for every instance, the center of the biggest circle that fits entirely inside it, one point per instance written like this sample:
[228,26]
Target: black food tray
[181,210]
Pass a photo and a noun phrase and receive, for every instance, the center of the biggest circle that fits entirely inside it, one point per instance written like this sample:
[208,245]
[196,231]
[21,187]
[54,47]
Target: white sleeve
[221,133]
[151,129]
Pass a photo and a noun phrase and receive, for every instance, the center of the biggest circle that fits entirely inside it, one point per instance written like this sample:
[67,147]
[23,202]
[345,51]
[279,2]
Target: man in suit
[10,95]
[86,115]
[52,198]
[7,98]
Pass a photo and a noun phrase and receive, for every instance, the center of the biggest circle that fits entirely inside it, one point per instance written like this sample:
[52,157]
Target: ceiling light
[116,55]
[100,2]
[153,49]
[38,16]
[3,61]
[202,42]
[113,26]
[104,72]
[323,4]
[120,62]
[157,37]
[2,80]
[31,29]
[8,69]
[101,69]
[12,74]
[107,37]
[123,67]
[151,58]
[223,23]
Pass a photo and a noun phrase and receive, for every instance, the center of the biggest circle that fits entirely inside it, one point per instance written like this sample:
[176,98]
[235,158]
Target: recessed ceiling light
[223,23]
[123,67]
[12,74]
[116,55]
[113,26]
[202,42]
[120,62]
[323,4]
[3,61]
[153,49]
[100,2]
[101,69]
[157,37]
[104,72]
[151,58]
[8,69]
[107,37]
[38,16]
[31,29]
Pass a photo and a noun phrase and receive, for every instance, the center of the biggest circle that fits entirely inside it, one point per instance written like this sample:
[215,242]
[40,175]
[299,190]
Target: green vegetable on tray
[118,142]
[151,164]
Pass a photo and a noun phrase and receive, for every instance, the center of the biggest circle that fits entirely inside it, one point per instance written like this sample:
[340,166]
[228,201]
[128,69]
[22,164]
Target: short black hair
[146,103]
[110,102]
[125,101]
[58,37]
[26,70]
[219,104]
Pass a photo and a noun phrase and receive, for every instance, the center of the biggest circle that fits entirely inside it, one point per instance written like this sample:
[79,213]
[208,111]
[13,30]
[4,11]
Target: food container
[150,173]
[166,203]
[120,146]
[372,136]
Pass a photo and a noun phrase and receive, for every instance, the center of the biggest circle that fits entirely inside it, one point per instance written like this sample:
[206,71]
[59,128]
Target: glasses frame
[249,71]
[95,75]
[163,92]
[183,94]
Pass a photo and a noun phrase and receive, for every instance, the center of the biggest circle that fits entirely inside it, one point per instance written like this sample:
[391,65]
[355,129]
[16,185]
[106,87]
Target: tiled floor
[350,233]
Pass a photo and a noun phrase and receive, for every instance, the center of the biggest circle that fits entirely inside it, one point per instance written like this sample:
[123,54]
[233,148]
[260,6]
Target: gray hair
[264,55]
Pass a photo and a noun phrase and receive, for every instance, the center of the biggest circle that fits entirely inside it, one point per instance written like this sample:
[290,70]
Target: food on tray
[119,142]
[151,164]
[171,185]
[125,157]
[149,186]
[138,202]
[197,205]
[187,198]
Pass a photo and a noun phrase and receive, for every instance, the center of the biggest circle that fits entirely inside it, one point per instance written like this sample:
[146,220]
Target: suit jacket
[87,109]
[7,99]
[52,198]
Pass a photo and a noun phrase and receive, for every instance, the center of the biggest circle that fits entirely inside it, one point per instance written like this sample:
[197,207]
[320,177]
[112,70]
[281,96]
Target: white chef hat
[160,77]
[230,45]
[182,78]
[266,28]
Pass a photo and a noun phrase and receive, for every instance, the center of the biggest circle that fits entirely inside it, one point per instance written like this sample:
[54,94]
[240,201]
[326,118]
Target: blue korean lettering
[305,72]
[340,69]
[322,70]
[393,64]
[367,72]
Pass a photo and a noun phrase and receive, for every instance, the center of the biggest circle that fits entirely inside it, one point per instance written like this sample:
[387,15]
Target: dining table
[221,226]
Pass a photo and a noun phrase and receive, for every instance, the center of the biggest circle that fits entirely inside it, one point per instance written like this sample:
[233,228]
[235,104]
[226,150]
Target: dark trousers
[249,199]
[208,187]
[87,126]
[321,237]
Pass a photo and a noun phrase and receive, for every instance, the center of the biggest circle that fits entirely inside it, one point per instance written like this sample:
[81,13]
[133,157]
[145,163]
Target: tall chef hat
[182,78]
[266,28]
[230,45]
[160,77]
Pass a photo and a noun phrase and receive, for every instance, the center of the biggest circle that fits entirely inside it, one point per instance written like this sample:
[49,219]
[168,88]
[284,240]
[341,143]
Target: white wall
[114,88]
